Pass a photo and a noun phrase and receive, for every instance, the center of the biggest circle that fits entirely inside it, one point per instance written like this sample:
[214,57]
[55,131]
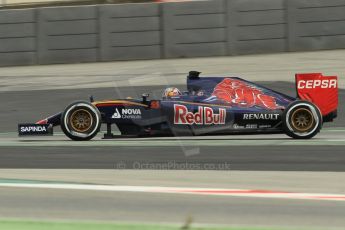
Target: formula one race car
[212,105]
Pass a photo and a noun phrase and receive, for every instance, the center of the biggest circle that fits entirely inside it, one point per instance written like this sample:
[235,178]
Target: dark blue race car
[211,106]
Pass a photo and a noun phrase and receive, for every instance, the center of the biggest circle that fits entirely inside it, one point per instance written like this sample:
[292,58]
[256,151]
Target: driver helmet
[172,92]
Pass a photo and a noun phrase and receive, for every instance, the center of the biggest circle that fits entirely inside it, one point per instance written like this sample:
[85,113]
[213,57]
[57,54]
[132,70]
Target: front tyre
[302,120]
[81,121]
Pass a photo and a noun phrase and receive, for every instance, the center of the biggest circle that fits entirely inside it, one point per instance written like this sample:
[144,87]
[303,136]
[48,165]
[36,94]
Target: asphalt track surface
[34,94]
[275,153]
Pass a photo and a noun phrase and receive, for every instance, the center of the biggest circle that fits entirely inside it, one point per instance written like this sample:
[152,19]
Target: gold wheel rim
[81,120]
[302,120]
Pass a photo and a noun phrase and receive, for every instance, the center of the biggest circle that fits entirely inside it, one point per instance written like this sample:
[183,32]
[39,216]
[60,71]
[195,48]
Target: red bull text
[204,116]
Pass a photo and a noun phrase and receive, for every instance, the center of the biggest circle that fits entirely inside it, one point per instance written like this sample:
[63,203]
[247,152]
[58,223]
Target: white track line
[178,190]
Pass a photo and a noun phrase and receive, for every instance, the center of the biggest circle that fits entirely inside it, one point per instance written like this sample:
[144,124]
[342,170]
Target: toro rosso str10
[210,106]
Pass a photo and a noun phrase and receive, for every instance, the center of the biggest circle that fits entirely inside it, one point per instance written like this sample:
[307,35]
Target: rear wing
[320,90]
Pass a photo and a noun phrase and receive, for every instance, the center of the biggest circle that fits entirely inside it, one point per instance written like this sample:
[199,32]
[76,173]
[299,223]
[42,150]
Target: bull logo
[238,93]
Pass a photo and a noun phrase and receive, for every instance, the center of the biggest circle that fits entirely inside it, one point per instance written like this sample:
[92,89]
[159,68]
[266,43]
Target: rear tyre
[302,120]
[81,121]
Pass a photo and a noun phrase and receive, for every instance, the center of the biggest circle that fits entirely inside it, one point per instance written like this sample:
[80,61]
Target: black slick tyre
[81,121]
[302,120]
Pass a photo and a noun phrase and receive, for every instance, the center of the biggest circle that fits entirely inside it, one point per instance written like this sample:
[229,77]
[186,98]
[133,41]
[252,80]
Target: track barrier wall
[171,30]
